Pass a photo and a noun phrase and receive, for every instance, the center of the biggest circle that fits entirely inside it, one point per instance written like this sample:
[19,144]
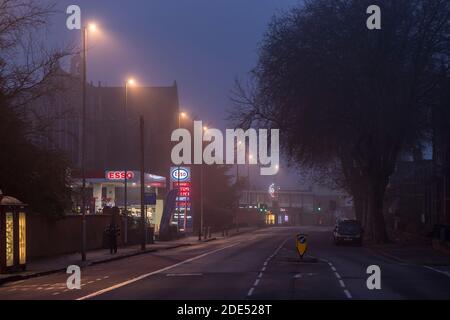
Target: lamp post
[91,27]
[205,128]
[181,115]
[143,215]
[129,82]
[237,186]
[250,157]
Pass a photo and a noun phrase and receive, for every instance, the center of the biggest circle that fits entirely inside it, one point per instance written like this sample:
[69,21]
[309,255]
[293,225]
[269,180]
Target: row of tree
[349,101]
[37,175]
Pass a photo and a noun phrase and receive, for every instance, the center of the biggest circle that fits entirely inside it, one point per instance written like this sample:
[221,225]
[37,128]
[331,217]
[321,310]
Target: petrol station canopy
[117,177]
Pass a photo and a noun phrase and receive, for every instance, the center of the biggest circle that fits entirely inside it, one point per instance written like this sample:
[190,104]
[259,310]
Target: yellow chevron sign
[301,244]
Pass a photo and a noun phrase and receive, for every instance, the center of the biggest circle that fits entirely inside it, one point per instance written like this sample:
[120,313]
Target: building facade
[112,123]
[296,207]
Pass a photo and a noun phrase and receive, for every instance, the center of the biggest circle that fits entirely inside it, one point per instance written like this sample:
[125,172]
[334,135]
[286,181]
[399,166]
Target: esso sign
[119,175]
[180,174]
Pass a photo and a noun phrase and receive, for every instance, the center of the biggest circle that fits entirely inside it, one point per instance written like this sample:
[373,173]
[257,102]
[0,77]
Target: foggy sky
[202,44]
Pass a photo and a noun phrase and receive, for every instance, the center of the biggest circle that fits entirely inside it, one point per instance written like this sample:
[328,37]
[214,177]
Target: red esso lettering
[130,175]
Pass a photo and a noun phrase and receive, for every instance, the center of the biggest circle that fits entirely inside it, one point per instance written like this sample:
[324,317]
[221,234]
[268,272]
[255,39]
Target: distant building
[112,133]
[297,207]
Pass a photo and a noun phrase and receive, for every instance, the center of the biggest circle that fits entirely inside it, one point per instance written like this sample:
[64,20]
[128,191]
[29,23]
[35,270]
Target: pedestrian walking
[113,231]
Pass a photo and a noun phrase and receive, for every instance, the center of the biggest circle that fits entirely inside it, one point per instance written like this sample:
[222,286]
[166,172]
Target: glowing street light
[91,27]
[130,82]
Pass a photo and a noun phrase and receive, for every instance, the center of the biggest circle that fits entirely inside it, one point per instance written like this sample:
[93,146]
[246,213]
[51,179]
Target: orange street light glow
[93,27]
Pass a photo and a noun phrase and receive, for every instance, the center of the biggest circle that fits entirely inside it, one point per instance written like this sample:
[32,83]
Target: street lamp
[237,183]
[250,157]
[91,27]
[129,82]
[181,115]
[132,82]
[205,128]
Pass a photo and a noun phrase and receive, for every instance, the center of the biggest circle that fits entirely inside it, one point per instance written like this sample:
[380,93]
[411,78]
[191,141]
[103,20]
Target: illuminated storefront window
[22,238]
[270,219]
[9,239]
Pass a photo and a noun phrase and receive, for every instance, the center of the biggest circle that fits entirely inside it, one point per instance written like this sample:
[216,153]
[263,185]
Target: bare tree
[28,69]
[340,92]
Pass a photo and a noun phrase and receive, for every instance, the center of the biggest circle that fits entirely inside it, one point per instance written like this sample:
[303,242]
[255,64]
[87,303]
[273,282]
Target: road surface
[257,265]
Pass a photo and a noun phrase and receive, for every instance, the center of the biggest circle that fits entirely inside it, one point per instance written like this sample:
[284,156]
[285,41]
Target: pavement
[257,265]
[45,266]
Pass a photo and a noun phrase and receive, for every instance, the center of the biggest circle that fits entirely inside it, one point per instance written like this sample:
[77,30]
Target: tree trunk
[360,204]
[376,226]
[359,207]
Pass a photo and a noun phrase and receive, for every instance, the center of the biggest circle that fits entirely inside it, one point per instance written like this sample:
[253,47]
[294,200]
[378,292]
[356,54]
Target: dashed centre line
[341,282]
[257,281]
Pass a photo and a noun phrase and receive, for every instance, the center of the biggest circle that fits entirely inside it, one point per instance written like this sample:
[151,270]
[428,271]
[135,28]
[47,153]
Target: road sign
[150,198]
[301,244]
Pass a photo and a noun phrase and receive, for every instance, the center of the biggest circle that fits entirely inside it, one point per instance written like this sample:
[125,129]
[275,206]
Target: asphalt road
[259,265]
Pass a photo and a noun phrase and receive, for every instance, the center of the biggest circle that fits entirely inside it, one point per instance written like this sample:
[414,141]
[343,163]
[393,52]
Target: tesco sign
[180,174]
[119,175]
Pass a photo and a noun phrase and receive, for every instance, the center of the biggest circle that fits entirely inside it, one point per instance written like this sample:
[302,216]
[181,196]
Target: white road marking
[183,274]
[348,294]
[141,277]
[438,271]
[55,293]
[297,276]
[264,268]
[341,282]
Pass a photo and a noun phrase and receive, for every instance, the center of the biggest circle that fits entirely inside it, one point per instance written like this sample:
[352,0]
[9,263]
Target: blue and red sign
[180,174]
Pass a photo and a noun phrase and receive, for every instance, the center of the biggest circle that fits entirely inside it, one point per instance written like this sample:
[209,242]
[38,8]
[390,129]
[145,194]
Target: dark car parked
[348,231]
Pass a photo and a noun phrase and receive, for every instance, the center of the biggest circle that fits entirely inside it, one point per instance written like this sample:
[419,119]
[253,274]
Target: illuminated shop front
[270,218]
[107,189]
[13,243]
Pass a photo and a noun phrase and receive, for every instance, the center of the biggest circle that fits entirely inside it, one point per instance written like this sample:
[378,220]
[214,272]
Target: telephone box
[13,230]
